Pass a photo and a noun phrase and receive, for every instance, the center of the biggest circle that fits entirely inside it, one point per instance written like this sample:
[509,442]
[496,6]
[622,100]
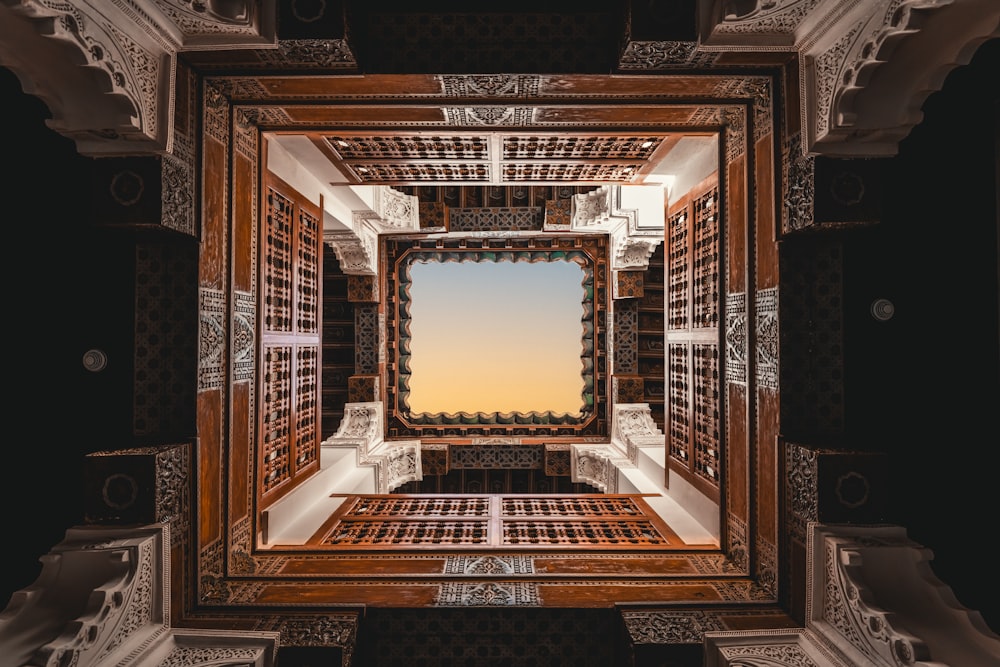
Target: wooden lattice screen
[518,521]
[288,446]
[692,334]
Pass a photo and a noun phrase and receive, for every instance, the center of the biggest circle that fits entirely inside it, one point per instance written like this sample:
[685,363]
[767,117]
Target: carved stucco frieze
[737,546]
[801,489]
[598,465]
[243,336]
[489,565]
[791,655]
[311,53]
[402,464]
[177,203]
[629,252]
[215,112]
[763,17]
[766,336]
[736,338]
[395,462]
[391,212]
[104,596]
[824,68]
[489,116]
[338,630]
[592,210]
[734,120]
[238,89]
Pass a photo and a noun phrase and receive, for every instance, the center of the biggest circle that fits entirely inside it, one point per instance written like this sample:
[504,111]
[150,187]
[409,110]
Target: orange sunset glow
[496,337]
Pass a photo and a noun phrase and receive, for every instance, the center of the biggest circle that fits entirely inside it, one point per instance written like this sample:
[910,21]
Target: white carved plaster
[633,427]
[114,94]
[362,424]
[873,597]
[632,215]
[598,465]
[103,598]
[396,462]
[767,648]
[395,211]
[356,250]
[867,75]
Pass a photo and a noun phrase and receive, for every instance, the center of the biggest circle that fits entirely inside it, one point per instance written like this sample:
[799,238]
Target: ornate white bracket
[103,596]
[356,250]
[395,462]
[632,215]
[866,67]
[598,465]
[633,427]
[871,599]
[865,78]
[392,212]
[387,211]
[106,68]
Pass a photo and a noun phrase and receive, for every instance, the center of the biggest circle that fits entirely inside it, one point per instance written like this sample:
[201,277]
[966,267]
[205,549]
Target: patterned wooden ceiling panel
[497,157]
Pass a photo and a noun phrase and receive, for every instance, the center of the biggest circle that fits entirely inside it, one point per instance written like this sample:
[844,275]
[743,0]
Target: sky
[496,336]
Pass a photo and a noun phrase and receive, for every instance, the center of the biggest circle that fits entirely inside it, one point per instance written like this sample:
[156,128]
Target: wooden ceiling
[498,158]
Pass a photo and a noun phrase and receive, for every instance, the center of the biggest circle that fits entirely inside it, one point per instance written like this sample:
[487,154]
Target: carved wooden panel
[290,403]
[495,520]
[692,334]
[494,157]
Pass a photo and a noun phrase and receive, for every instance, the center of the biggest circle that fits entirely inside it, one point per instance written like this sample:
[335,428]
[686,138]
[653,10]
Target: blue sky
[496,336]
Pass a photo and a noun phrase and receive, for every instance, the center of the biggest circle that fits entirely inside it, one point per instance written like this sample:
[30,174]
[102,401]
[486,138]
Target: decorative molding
[798,187]
[656,55]
[736,342]
[211,338]
[338,630]
[491,85]
[488,594]
[766,335]
[131,109]
[669,627]
[870,618]
[489,565]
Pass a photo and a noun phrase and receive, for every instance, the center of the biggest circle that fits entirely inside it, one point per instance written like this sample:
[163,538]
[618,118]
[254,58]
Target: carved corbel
[633,427]
[598,465]
[402,464]
[361,425]
[630,252]
[394,211]
[355,250]
[104,596]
